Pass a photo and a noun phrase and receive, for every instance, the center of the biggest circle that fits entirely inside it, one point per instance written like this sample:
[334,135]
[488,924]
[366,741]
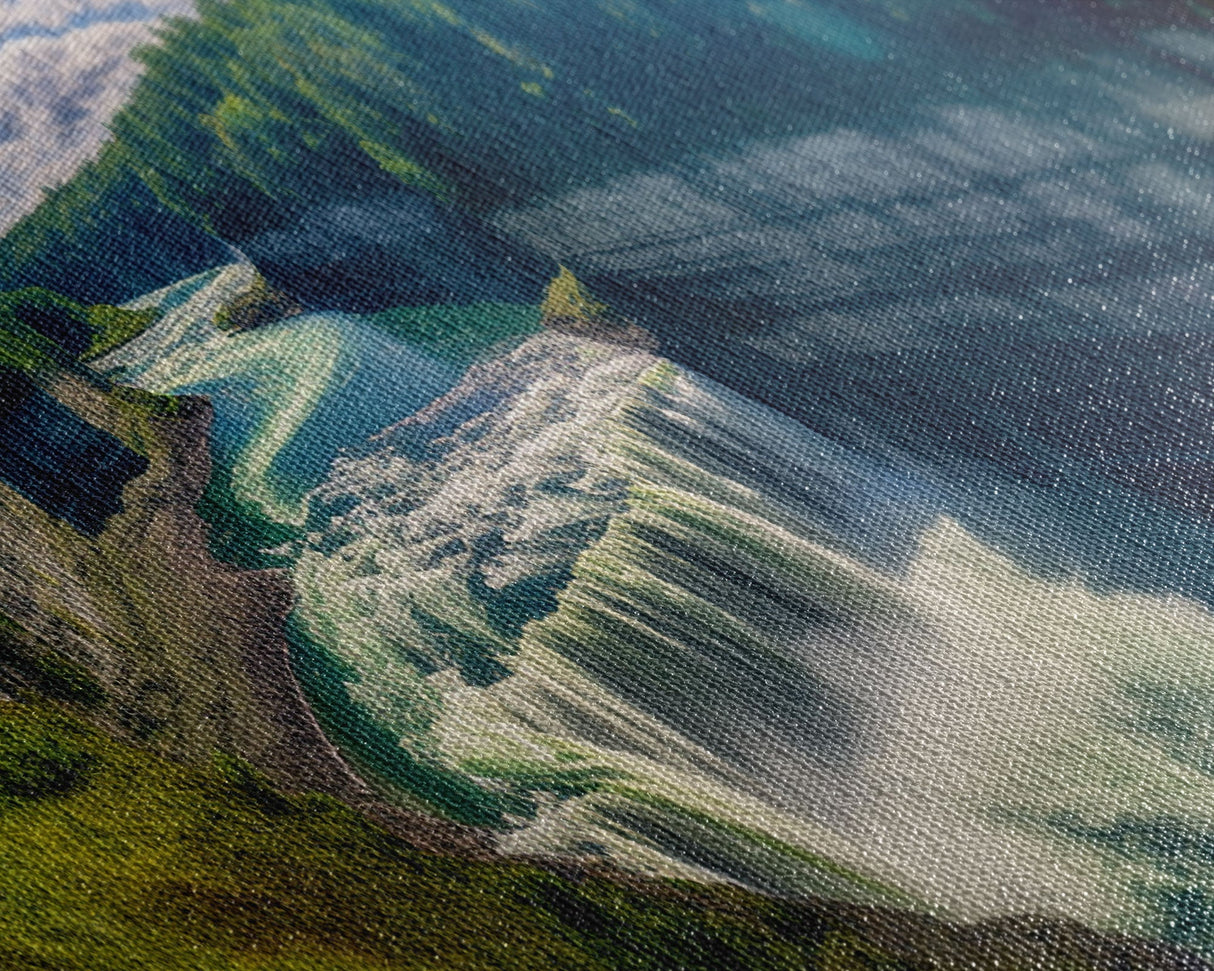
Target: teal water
[290,395]
[822,25]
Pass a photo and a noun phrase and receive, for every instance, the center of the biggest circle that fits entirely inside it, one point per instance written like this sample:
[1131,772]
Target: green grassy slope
[111,857]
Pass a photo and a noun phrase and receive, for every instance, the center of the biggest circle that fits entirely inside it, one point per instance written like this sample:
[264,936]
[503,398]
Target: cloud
[20,18]
[65,69]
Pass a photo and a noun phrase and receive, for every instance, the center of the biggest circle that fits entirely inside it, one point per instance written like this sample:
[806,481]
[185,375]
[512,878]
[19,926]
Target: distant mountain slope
[105,209]
[257,111]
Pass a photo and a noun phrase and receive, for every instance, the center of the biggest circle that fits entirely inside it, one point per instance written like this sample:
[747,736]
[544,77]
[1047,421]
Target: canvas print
[594,484]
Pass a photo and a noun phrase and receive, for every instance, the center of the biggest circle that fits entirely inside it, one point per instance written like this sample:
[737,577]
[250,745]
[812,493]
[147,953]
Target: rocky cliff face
[182,653]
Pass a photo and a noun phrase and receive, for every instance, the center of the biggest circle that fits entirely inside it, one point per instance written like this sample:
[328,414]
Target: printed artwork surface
[676,484]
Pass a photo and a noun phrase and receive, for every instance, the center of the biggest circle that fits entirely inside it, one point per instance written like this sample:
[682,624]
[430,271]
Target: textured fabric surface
[676,484]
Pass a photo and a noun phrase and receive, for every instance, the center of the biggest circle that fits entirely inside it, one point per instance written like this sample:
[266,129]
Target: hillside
[257,112]
[228,873]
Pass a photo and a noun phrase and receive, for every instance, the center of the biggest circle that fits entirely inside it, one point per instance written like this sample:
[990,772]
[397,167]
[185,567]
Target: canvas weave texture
[692,485]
